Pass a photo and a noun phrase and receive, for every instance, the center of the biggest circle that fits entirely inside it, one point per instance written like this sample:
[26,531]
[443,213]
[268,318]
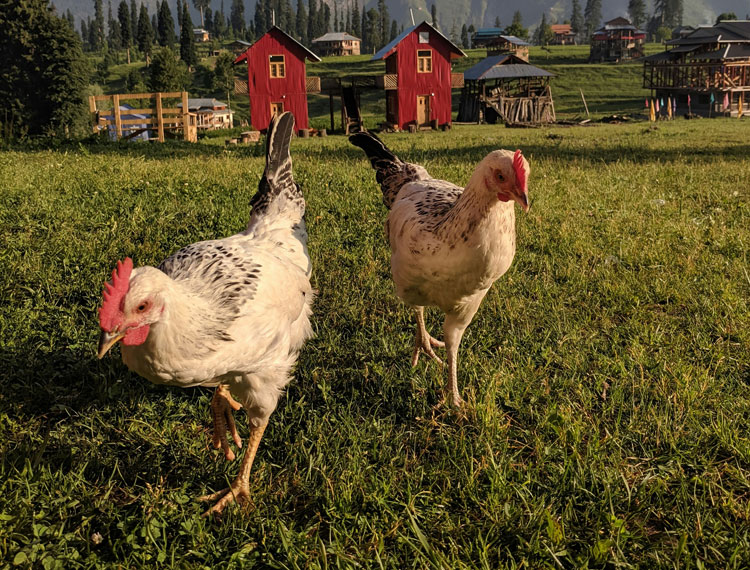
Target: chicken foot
[222,407]
[239,490]
[453,329]
[423,341]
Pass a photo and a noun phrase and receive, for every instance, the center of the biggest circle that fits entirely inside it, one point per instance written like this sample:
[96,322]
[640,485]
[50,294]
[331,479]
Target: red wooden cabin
[277,78]
[418,78]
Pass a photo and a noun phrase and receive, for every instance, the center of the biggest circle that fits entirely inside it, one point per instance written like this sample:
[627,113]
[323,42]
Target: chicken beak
[523,200]
[107,340]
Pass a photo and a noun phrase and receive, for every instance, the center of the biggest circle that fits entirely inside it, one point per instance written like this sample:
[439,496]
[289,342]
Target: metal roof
[335,37]
[386,50]
[723,32]
[730,51]
[310,55]
[503,67]
[515,40]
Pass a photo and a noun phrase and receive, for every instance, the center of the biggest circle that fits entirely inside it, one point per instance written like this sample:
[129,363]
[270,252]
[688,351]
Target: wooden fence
[174,121]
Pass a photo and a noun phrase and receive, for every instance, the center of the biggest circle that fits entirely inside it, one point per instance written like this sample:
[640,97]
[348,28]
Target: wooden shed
[418,78]
[706,72]
[506,88]
[617,40]
[277,78]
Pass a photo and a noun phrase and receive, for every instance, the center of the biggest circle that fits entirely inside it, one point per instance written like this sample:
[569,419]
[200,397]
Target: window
[277,108]
[278,69]
[424,37]
[424,61]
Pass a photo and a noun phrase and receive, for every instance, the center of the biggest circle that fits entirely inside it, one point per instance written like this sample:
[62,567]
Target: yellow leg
[222,407]
[423,342]
[239,490]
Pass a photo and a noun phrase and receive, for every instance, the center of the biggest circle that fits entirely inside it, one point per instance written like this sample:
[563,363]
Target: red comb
[110,314]
[519,170]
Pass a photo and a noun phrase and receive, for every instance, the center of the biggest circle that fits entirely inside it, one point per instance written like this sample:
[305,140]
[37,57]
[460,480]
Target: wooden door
[423,110]
[277,109]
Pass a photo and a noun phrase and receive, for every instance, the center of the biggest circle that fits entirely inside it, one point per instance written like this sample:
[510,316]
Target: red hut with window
[418,78]
[277,78]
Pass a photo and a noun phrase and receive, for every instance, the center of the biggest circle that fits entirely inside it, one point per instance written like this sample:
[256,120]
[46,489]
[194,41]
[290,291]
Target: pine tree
[335,16]
[348,24]
[356,20]
[471,32]
[155,24]
[167,36]
[97,35]
[145,34]
[287,16]
[223,78]
[85,33]
[301,23]
[576,20]
[187,40]
[41,89]
[126,28]
[394,31]
[592,15]
[385,23]
[637,12]
[433,14]
[208,21]
[133,21]
[543,33]
[372,30]
[166,73]
[497,22]
[312,18]
[261,25]
[114,38]
[516,27]
[464,37]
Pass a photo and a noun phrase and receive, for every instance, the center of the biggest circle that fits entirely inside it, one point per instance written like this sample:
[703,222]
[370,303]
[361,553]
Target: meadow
[606,374]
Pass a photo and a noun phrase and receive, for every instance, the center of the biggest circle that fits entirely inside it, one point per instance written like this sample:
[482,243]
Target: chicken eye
[500,177]
[142,307]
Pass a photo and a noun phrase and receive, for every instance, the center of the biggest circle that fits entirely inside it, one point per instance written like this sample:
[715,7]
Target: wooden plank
[118,119]
[159,119]
[185,120]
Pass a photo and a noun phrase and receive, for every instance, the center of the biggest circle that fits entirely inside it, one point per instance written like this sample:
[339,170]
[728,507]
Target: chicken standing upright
[448,244]
[231,313]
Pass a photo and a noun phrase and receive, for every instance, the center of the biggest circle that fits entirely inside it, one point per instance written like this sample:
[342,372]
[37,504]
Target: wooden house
[277,78]
[239,46]
[337,43]
[564,35]
[505,88]
[418,78]
[210,114]
[483,36]
[509,44]
[618,40]
[201,36]
[710,65]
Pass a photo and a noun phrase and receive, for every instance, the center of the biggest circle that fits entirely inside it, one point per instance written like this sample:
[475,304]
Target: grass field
[606,373]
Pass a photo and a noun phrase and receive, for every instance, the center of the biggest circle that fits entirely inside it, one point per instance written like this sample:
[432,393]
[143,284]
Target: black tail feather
[390,172]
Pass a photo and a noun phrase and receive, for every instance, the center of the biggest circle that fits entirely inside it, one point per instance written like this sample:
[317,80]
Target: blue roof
[503,66]
[386,50]
[488,32]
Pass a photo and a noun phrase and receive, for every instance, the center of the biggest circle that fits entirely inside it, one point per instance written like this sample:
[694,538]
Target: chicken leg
[222,406]
[239,490]
[453,330]
[423,341]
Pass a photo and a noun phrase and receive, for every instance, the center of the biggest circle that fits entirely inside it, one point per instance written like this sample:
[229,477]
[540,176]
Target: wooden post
[185,117]
[92,109]
[118,119]
[159,119]
[584,103]
[330,103]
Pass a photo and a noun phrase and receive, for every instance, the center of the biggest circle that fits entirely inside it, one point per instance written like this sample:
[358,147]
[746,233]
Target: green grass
[606,373]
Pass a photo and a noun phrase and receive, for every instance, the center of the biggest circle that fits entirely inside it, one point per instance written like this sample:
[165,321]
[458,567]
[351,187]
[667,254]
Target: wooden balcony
[240,86]
[312,85]
[387,81]
[697,76]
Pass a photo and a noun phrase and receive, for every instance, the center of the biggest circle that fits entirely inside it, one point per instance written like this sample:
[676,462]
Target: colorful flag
[669,107]
[652,114]
[712,99]
[726,101]
[740,110]
[662,101]
[646,103]
[657,105]
[688,99]
[674,105]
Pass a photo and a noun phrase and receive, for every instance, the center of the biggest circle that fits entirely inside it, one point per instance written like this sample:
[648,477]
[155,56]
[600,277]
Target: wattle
[134,337]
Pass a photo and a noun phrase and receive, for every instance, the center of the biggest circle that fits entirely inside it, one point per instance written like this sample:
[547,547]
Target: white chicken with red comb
[448,244]
[231,313]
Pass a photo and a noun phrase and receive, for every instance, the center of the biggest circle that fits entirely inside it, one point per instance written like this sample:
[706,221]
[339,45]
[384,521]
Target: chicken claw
[423,341]
[239,490]
[222,407]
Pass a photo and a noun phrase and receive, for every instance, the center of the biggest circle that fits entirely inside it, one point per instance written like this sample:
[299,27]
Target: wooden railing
[697,76]
[240,86]
[156,118]
[457,80]
[387,81]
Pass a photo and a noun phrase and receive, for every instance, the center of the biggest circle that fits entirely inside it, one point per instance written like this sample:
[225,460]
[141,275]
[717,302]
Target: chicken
[229,313]
[448,244]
